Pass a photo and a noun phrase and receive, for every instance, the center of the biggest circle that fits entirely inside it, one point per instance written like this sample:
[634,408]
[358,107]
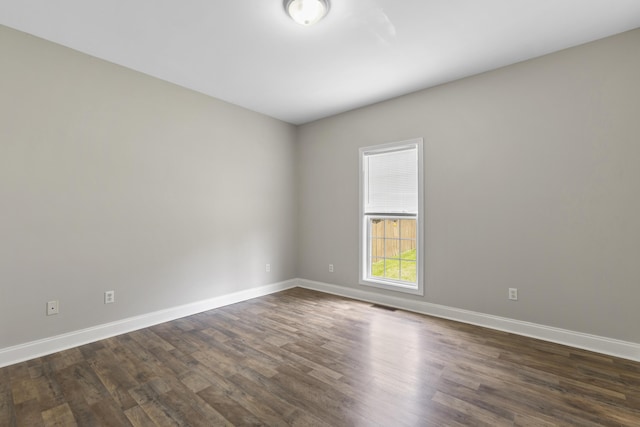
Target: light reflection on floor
[397,368]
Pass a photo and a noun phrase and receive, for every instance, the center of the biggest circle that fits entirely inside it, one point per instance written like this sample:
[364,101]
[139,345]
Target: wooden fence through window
[392,237]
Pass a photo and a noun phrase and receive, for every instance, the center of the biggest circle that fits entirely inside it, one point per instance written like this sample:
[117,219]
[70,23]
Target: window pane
[408,229]
[392,269]
[377,267]
[377,228]
[377,248]
[408,250]
[392,228]
[408,270]
[408,239]
[393,249]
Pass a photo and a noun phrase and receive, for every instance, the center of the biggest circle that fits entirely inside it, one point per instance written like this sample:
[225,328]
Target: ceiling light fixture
[306,12]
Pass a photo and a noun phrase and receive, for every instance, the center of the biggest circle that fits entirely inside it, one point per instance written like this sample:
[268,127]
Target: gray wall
[110,179]
[532,180]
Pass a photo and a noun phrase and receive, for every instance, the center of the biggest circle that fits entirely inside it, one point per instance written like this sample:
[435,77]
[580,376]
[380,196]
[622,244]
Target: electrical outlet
[109,297]
[330,268]
[513,294]
[53,307]
[268,268]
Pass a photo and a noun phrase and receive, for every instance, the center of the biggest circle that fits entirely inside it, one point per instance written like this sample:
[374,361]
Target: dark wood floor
[308,359]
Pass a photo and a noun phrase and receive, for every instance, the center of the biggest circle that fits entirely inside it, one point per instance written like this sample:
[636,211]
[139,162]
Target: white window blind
[392,181]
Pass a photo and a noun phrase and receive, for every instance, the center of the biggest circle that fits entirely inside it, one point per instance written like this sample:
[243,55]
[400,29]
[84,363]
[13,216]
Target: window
[390,216]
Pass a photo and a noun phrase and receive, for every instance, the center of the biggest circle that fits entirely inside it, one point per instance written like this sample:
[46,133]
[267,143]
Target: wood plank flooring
[304,358]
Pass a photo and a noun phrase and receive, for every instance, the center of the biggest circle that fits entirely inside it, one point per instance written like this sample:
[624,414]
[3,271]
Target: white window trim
[392,285]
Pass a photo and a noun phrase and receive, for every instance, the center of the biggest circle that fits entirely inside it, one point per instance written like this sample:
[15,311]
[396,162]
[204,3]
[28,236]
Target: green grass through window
[391,267]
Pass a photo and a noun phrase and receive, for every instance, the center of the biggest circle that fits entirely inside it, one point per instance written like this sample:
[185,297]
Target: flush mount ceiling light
[306,12]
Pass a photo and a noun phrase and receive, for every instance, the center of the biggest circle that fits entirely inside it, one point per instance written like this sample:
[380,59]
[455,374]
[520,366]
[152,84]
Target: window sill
[394,286]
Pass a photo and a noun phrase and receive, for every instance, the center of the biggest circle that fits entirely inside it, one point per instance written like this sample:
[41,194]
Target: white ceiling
[251,54]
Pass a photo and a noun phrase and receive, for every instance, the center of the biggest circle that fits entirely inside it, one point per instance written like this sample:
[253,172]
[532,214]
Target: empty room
[320,213]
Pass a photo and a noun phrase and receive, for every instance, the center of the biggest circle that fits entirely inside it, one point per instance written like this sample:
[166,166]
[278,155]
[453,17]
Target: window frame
[365,247]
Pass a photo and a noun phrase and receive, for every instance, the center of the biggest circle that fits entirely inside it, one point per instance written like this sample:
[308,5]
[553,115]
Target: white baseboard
[33,349]
[609,346]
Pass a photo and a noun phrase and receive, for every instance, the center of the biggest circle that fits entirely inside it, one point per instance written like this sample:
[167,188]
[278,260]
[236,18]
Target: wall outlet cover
[109,297]
[53,307]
